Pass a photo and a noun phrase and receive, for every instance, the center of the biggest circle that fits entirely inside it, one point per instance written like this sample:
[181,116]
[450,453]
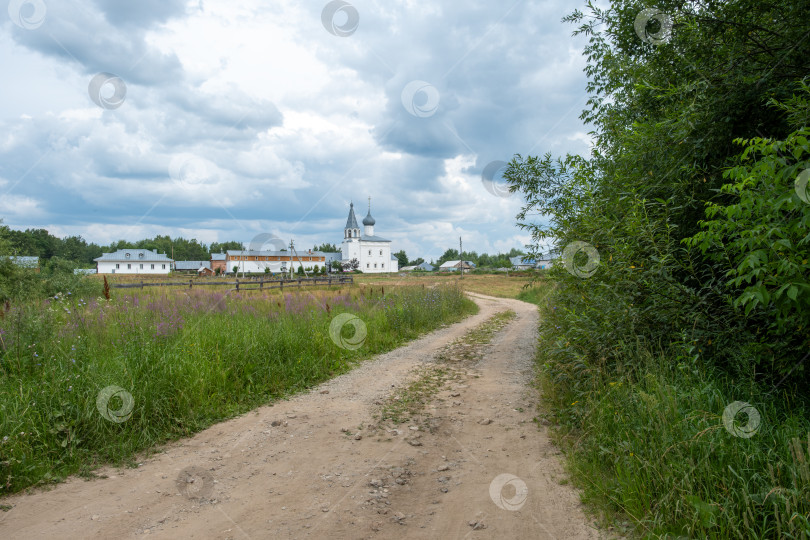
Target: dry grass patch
[500,285]
[409,404]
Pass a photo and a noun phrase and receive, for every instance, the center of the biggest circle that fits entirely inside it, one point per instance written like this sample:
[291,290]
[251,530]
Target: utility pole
[293,252]
[292,249]
[461,257]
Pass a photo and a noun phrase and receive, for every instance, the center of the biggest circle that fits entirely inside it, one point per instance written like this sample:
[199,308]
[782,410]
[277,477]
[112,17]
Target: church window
[368,265]
[375,265]
[369,252]
[380,252]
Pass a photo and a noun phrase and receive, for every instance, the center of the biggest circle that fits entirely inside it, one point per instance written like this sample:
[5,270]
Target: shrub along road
[466,458]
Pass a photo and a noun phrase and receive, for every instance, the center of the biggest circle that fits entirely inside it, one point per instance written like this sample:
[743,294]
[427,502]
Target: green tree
[5,239]
[665,118]
[222,247]
[448,255]
[326,248]
[760,237]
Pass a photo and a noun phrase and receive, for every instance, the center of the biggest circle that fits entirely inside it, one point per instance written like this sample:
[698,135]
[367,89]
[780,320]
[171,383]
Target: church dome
[368,220]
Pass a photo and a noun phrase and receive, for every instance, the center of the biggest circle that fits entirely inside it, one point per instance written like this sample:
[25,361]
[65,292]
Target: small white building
[372,252]
[134,261]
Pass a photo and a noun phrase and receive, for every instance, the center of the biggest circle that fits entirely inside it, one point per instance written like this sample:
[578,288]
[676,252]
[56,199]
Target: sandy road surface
[305,478]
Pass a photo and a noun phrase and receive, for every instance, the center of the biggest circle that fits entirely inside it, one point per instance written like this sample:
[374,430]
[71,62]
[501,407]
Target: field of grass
[503,285]
[86,381]
[499,285]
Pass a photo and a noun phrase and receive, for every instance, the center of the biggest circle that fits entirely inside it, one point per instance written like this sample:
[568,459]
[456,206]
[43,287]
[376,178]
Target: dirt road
[311,467]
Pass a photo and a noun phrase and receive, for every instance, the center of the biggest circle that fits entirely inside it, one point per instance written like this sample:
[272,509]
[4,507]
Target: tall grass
[187,358]
[646,440]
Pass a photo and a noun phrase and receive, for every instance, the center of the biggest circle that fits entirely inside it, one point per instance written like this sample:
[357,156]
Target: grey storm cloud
[143,13]
[92,37]
[312,120]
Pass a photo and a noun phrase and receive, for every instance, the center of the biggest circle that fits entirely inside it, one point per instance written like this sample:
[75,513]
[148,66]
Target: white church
[373,252]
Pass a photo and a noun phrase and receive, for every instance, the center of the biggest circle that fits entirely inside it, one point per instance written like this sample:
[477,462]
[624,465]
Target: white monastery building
[133,261]
[373,252]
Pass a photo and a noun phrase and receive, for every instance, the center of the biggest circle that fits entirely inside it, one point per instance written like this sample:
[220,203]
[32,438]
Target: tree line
[484,260]
[76,250]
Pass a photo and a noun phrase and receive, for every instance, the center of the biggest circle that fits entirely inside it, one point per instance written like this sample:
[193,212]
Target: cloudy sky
[222,120]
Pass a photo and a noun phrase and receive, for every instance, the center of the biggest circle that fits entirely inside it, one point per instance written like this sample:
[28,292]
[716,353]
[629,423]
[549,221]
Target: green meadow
[86,380]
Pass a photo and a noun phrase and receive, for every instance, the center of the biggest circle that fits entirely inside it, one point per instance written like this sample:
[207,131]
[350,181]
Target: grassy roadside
[671,448]
[86,381]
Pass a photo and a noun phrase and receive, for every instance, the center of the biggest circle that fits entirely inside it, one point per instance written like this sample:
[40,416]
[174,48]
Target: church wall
[383,261]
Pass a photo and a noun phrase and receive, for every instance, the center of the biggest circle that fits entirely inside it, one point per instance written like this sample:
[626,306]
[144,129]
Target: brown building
[219,261]
[274,261]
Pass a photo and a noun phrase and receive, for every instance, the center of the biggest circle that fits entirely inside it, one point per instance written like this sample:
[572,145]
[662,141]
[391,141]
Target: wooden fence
[245,284]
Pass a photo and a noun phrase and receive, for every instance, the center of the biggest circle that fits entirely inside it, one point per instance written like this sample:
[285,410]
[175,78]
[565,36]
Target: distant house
[455,266]
[200,268]
[426,267]
[521,262]
[548,260]
[30,263]
[133,261]
[218,262]
[84,271]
